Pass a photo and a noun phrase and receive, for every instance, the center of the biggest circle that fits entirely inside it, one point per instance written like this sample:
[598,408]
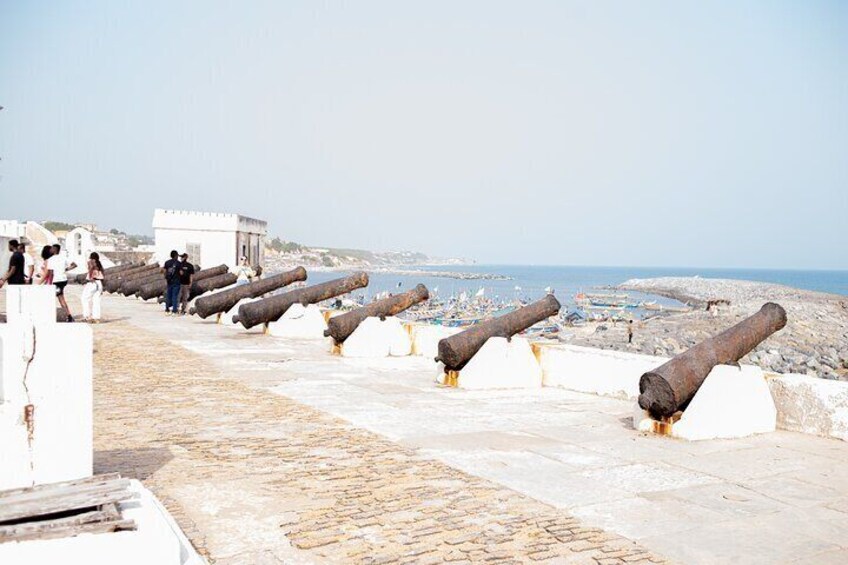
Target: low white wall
[811,405]
[596,371]
[426,338]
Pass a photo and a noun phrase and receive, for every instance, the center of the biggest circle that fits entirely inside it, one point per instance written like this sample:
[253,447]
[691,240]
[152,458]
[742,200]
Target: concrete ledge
[426,338]
[595,371]
[811,405]
[378,338]
[300,322]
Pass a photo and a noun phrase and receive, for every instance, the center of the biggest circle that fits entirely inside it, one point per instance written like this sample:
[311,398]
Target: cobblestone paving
[253,477]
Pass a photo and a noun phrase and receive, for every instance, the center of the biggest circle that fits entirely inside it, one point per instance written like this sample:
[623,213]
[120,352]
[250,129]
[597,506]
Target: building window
[193,250]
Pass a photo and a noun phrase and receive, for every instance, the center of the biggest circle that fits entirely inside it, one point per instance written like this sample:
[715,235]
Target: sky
[673,133]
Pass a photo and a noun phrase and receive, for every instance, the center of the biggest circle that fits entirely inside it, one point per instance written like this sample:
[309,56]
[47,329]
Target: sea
[530,282]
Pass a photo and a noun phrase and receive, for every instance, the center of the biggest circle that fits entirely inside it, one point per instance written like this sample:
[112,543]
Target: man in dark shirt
[186,278]
[15,274]
[171,270]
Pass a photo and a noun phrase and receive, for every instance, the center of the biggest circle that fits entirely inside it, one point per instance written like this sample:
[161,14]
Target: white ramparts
[300,322]
[811,405]
[378,338]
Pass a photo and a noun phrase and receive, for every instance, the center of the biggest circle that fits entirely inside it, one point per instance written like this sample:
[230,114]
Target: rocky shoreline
[814,341]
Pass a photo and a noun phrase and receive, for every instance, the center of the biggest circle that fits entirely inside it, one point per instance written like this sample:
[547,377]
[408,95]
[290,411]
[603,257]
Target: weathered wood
[51,530]
[340,327]
[455,351]
[50,501]
[222,301]
[272,308]
[670,387]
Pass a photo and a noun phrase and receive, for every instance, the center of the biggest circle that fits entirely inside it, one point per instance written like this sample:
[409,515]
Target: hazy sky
[587,133]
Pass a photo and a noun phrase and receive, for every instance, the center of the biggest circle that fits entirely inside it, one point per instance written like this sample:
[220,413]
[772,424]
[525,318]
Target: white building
[80,242]
[210,239]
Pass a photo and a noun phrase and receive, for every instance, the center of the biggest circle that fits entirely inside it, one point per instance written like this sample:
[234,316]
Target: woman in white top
[92,290]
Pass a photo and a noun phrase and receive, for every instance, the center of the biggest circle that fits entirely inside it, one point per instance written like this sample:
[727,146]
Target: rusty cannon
[112,284]
[455,351]
[272,308]
[340,327]
[206,284]
[158,287]
[109,271]
[131,286]
[222,301]
[670,387]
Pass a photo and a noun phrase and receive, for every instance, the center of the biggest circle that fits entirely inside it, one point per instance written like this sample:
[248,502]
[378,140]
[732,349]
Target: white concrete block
[30,304]
[501,364]
[226,319]
[157,540]
[811,405]
[376,338]
[732,402]
[595,371]
[300,323]
[47,367]
[426,338]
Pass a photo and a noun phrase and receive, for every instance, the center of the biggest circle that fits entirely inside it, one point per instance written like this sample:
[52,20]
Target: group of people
[179,276]
[53,270]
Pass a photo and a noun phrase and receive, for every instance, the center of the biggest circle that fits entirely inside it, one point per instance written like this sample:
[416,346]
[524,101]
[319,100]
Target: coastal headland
[814,341]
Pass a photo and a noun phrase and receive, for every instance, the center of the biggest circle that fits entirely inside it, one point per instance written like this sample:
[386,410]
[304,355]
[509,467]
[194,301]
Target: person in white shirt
[244,272]
[57,268]
[29,264]
[92,290]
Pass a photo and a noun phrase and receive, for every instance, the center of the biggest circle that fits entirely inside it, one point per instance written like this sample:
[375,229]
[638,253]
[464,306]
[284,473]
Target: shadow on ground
[132,463]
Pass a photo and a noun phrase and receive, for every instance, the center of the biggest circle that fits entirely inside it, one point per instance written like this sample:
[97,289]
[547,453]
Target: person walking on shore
[92,290]
[171,269]
[57,275]
[29,264]
[186,278]
[15,273]
[630,331]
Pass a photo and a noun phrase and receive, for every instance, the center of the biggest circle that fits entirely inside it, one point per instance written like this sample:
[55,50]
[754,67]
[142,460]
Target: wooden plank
[85,496]
[61,485]
[73,530]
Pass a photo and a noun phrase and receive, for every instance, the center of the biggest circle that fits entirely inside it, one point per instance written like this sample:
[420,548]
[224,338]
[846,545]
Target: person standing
[186,279]
[57,274]
[92,290]
[29,264]
[630,331]
[41,274]
[15,273]
[171,269]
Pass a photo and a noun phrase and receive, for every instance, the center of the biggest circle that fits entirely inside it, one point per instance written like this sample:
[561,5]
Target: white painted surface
[30,304]
[222,238]
[811,405]
[47,366]
[376,338]
[596,371]
[300,322]
[733,402]
[226,319]
[158,540]
[501,364]
[426,338]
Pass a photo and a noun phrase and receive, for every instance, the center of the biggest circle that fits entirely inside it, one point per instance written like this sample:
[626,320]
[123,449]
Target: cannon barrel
[158,287]
[112,284]
[340,327]
[271,308]
[109,271]
[206,284]
[670,387]
[206,306]
[131,286]
[455,351]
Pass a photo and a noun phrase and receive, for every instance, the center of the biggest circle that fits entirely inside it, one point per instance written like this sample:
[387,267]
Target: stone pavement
[255,477]
[214,442]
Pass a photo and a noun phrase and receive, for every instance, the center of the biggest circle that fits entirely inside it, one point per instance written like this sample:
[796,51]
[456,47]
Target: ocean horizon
[532,281]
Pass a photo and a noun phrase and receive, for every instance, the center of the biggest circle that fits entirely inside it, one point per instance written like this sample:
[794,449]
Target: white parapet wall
[596,371]
[426,338]
[158,540]
[378,338]
[45,392]
[811,405]
[499,364]
[300,322]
